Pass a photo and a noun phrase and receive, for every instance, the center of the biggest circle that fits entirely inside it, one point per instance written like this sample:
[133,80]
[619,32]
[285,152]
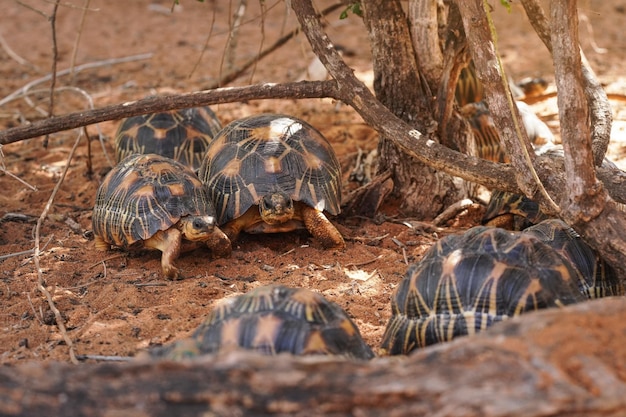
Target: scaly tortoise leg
[234,227]
[219,243]
[169,242]
[321,228]
[101,244]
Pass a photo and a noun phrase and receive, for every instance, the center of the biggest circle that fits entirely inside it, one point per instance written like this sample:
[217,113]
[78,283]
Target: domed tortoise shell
[155,202]
[274,319]
[183,135]
[274,173]
[467,282]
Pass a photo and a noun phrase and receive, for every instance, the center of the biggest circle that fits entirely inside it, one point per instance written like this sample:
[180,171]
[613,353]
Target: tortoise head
[197,228]
[276,208]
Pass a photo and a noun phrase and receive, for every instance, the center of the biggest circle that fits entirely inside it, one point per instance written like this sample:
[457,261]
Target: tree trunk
[559,362]
[398,85]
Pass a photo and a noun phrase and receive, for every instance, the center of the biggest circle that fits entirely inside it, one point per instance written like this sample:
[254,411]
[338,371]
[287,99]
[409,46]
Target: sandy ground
[117,303]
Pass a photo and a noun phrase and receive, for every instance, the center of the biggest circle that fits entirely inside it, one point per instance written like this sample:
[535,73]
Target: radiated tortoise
[271,320]
[155,202]
[467,282]
[274,173]
[182,135]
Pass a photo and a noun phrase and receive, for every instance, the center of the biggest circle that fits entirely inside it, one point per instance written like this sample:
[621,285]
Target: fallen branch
[566,362]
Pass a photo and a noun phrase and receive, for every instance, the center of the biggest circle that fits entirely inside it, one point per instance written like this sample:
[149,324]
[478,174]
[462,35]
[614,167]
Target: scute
[272,152]
[271,320]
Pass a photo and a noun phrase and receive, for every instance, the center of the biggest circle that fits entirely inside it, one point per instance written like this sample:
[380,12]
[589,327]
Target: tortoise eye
[265,202]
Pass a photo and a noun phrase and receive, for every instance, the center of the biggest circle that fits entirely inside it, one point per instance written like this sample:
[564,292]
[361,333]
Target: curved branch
[489,71]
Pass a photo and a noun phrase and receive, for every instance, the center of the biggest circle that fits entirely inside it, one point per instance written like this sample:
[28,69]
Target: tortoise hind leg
[101,244]
[321,228]
[168,242]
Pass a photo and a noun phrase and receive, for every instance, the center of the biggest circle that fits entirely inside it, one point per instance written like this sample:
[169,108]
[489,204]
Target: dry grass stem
[40,282]
[77,40]
[90,65]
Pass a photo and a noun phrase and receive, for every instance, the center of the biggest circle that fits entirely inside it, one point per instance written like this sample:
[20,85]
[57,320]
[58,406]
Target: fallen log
[560,362]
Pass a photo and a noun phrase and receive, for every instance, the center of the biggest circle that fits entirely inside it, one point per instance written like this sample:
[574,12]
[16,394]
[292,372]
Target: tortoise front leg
[219,243]
[321,228]
[169,242]
[234,227]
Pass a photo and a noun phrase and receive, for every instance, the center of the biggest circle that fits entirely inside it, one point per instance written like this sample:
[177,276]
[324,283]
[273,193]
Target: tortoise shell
[512,211]
[144,194]
[597,278]
[487,139]
[271,320]
[153,201]
[182,135]
[257,155]
[468,88]
[467,282]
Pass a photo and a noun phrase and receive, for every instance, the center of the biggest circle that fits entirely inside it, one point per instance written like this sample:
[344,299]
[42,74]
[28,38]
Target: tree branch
[585,196]
[501,107]
[303,89]
[598,102]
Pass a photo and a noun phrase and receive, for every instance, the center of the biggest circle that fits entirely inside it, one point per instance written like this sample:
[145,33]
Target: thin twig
[236,73]
[40,283]
[55,58]
[26,92]
[32,307]
[104,358]
[90,65]
[452,211]
[233,36]
[29,7]
[256,61]
[27,260]
[206,45]
[287,253]
[10,174]
[12,54]
[10,255]
[86,284]
[369,261]
[150,284]
[592,39]
[104,260]
[77,40]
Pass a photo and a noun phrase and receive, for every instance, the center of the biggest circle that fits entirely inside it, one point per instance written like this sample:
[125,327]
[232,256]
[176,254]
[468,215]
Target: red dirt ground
[117,303]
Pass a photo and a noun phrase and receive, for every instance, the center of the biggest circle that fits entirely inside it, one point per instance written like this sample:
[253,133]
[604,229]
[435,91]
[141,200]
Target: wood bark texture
[559,362]
[400,88]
